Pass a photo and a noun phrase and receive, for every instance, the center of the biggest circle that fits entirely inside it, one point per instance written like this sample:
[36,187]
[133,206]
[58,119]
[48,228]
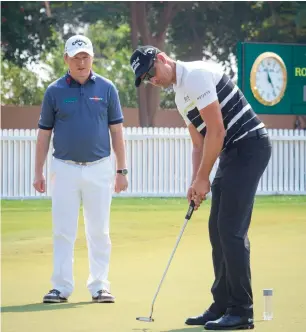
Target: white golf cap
[77,44]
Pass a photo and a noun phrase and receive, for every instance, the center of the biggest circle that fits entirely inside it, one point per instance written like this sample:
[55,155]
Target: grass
[143,233]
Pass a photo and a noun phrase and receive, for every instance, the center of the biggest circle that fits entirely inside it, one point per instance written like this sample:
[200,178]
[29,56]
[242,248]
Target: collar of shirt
[179,75]
[70,80]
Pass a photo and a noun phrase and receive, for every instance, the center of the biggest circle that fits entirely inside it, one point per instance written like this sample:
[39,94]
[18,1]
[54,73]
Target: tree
[188,30]
[284,22]
[216,27]
[23,85]
[19,86]
[26,31]
[149,23]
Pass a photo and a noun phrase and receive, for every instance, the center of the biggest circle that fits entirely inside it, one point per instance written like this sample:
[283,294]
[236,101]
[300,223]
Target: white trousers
[93,185]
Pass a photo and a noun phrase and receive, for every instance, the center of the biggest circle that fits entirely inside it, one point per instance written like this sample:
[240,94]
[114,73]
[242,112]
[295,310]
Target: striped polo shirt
[201,83]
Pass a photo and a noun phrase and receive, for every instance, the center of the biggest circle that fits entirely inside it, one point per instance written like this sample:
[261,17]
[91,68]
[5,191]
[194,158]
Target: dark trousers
[233,191]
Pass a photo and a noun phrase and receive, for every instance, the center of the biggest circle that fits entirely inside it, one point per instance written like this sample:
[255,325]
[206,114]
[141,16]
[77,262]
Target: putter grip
[190,210]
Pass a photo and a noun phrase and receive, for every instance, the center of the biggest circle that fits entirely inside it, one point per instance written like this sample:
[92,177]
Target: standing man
[222,124]
[81,109]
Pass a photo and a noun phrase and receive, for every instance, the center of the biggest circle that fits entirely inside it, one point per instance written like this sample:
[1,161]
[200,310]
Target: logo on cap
[79,42]
[135,64]
[149,50]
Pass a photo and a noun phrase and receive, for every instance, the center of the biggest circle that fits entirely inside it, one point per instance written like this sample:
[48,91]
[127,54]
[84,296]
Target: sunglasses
[150,73]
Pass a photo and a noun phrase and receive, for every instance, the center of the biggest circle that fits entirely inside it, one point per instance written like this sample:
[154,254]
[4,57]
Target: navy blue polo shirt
[80,115]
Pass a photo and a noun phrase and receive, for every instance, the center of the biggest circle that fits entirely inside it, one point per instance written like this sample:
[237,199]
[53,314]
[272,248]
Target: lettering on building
[300,71]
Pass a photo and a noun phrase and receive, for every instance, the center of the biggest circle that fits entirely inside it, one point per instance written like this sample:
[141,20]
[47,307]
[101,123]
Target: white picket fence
[159,162]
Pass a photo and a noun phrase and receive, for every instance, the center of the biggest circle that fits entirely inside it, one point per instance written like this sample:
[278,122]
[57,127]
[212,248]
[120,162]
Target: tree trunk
[153,102]
[48,9]
[141,94]
[143,106]
[153,93]
[149,96]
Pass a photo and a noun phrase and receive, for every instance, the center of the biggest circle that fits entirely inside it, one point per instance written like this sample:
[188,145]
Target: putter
[188,216]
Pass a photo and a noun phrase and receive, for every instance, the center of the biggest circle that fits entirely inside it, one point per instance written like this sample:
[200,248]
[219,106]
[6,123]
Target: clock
[268,78]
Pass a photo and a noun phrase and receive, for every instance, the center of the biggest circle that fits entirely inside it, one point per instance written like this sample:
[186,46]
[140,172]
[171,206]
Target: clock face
[268,78]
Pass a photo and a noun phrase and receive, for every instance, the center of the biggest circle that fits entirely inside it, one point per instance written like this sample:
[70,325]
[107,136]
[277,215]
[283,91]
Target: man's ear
[66,58]
[162,57]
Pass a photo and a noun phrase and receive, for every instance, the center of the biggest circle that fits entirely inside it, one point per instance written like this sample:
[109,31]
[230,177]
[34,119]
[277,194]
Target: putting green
[143,233]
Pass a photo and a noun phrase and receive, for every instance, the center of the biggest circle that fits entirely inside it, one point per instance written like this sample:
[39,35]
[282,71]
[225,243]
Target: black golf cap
[142,60]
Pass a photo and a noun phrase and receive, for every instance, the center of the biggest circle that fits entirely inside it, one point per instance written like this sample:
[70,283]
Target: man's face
[79,65]
[162,71]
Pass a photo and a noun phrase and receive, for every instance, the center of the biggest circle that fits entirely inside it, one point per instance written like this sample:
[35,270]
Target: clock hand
[269,78]
[270,81]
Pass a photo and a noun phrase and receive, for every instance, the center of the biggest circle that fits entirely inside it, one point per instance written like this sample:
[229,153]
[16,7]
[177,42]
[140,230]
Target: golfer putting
[222,124]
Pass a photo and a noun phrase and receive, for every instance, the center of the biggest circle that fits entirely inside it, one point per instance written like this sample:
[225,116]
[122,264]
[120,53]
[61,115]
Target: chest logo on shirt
[70,100]
[186,98]
[96,98]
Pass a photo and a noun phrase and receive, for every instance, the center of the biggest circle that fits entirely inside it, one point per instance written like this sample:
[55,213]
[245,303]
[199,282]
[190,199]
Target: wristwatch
[123,171]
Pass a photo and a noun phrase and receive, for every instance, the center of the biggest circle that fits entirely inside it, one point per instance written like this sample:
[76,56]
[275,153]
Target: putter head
[145,319]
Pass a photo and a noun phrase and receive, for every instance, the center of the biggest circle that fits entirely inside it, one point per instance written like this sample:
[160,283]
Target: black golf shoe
[54,296]
[202,319]
[230,322]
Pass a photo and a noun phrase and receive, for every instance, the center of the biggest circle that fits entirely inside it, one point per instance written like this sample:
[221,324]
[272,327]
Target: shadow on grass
[42,307]
[200,328]
[188,329]
[192,329]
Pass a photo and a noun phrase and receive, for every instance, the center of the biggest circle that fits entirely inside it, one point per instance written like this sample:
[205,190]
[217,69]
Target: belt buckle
[81,163]
[262,132]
